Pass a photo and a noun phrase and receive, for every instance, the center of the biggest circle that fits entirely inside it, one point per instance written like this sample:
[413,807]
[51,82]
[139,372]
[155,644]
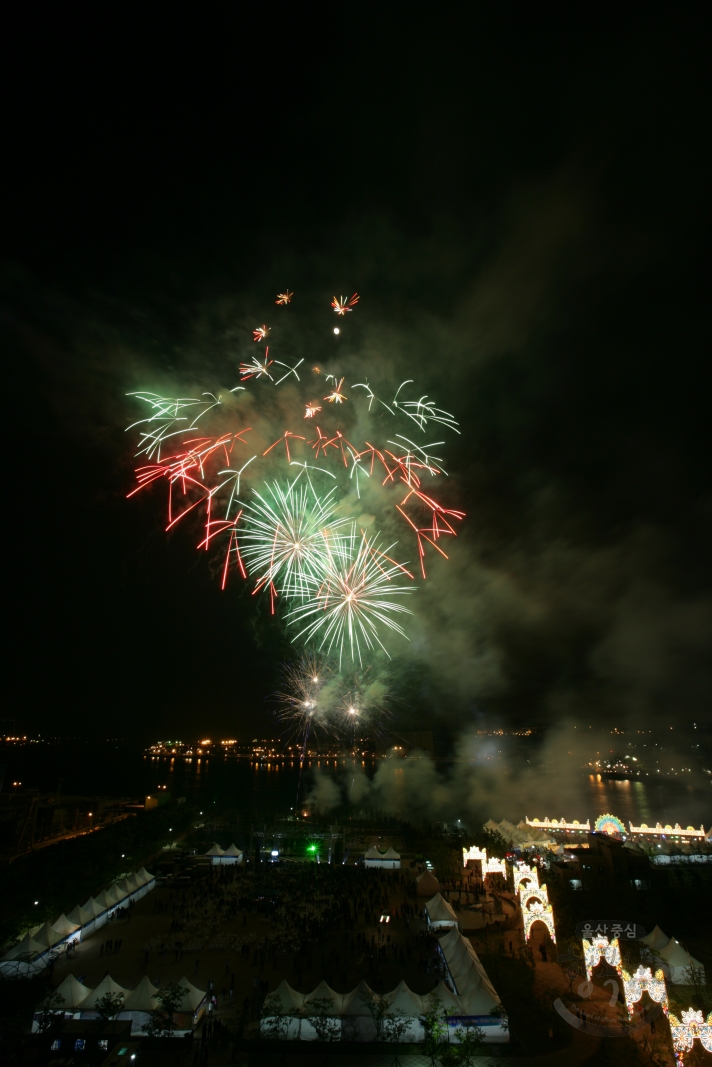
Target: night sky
[521,198]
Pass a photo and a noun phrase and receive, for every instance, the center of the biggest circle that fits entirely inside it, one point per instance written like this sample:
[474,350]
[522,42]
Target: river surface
[122,770]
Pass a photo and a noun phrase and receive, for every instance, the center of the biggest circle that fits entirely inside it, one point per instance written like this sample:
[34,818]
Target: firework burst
[344,609]
[289,536]
[342,304]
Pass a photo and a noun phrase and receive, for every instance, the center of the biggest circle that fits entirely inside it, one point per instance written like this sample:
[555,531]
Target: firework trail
[285,506]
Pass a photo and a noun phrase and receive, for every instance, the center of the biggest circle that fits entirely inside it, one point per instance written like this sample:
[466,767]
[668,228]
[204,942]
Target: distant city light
[337,331]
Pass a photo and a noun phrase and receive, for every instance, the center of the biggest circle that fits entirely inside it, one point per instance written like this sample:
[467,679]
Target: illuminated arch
[529,893]
[538,913]
[599,948]
[641,982]
[523,872]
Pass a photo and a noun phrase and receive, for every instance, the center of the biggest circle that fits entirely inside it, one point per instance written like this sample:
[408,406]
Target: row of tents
[389,860]
[32,954]
[362,1015]
[78,1001]
[676,957]
[521,835]
[219,856]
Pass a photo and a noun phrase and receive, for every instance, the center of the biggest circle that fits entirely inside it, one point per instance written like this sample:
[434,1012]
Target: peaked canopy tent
[139,1005]
[25,958]
[67,996]
[232,854]
[426,884]
[215,853]
[388,860]
[87,1008]
[148,881]
[439,913]
[656,939]
[471,984]
[681,964]
[72,992]
[66,929]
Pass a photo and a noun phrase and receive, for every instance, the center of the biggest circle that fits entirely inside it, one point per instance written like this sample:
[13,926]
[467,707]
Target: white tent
[680,963]
[143,997]
[192,998]
[124,890]
[107,899]
[656,939]
[72,993]
[389,860]
[440,913]
[46,936]
[146,878]
[477,996]
[215,853]
[81,917]
[66,930]
[232,854]
[427,884]
[107,985]
[120,892]
[26,947]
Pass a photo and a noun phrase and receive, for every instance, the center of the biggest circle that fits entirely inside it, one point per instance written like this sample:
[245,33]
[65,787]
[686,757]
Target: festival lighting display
[529,893]
[559,824]
[599,948]
[641,982]
[538,912]
[489,866]
[692,1027]
[299,513]
[522,873]
[668,830]
[609,824]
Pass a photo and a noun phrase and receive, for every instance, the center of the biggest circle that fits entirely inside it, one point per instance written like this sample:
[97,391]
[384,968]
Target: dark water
[122,770]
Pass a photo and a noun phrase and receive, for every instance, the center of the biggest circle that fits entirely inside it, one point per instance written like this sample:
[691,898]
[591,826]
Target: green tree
[434,1029]
[275,1024]
[394,1028]
[162,1023]
[109,1006]
[470,1039]
[318,1012]
[377,1006]
[51,1012]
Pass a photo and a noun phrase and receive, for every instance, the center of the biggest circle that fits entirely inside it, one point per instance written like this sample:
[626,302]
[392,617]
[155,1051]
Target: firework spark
[311,410]
[260,333]
[284,298]
[342,304]
[255,369]
[336,396]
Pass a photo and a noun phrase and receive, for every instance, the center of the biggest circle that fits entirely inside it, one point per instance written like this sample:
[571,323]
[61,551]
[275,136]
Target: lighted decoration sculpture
[599,948]
[560,824]
[489,866]
[684,1033]
[642,981]
[667,831]
[524,872]
[536,912]
[609,824]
